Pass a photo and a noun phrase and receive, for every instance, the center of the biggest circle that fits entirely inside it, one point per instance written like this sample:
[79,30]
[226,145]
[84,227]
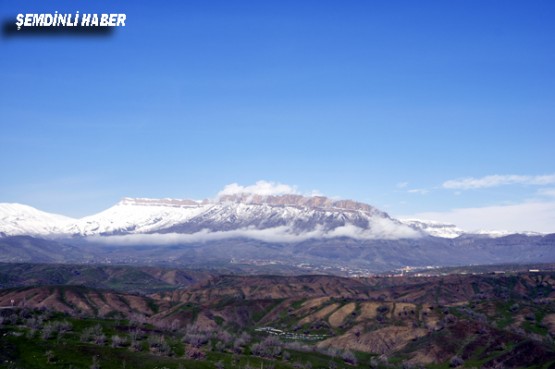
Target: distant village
[291,336]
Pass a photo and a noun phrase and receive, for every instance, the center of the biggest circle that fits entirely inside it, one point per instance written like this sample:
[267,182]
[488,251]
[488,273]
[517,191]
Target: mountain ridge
[300,214]
[291,232]
[226,212]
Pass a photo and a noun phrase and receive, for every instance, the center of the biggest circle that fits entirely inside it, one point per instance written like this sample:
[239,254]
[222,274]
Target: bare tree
[99,339]
[48,331]
[64,326]
[94,335]
[95,364]
[118,341]
[49,356]
[135,345]
[194,353]
[158,345]
[137,334]
[175,324]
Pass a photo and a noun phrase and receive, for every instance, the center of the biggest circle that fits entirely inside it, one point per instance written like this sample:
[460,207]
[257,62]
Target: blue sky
[379,101]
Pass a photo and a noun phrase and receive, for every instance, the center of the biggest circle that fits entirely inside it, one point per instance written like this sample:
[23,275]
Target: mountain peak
[23,219]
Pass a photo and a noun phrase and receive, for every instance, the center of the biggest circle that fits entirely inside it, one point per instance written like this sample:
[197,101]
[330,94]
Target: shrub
[158,345]
[11,319]
[259,350]
[175,324]
[196,339]
[193,353]
[118,341]
[48,331]
[31,333]
[135,345]
[220,346]
[137,319]
[93,334]
[349,357]
[32,323]
[382,309]
[455,362]
[331,352]
[243,339]
[225,337]
[99,339]
[64,326]
[137,334]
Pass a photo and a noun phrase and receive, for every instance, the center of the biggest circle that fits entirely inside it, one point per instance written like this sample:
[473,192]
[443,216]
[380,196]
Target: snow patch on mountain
[503,233]
[137,216]
[17,219]
[433,228]
[265,217]
[447,230]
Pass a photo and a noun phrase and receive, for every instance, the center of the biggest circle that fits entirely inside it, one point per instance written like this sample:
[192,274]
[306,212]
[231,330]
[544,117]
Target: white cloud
[420,191]
[529,216]
[381,229]
[263,188]
[498,180]
[402,184]
[315,193]
[548,192]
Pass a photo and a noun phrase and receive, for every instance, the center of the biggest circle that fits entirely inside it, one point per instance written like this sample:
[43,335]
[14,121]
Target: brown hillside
[77,300]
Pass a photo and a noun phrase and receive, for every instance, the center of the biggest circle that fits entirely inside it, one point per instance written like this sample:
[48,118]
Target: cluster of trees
[196,340]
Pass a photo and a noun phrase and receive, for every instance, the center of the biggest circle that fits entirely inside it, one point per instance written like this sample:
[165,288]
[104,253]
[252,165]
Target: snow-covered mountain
[17,219]
[289,230]
[433,228]
[447,230]
[286,218]
[289,214]
[137,216]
